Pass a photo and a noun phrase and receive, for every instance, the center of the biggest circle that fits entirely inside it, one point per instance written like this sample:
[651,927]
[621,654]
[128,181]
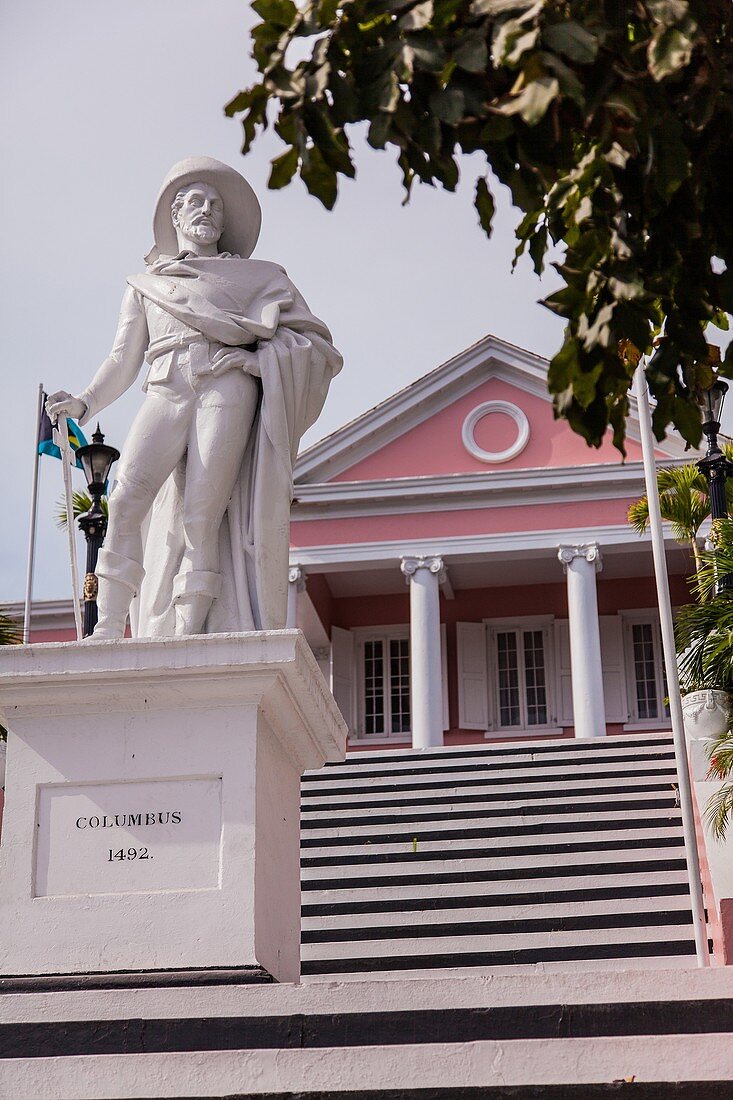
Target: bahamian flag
[46,445]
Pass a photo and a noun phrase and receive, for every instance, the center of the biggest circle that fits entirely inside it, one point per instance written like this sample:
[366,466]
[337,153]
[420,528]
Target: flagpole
[697,901]
[62,429]
[32,525]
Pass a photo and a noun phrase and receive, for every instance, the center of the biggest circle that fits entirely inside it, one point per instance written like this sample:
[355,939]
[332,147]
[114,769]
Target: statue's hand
[229,358]
[62,403]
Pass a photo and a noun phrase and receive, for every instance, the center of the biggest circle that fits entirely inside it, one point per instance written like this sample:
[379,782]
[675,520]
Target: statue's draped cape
[234,302]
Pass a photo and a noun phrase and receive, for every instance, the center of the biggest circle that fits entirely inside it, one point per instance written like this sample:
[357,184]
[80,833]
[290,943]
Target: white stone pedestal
[152,803]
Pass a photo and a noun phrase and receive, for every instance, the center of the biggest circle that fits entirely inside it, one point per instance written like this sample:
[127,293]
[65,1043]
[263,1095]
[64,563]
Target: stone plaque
[128,837]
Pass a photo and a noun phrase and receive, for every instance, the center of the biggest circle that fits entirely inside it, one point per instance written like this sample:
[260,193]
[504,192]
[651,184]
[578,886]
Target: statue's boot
[119,580]
[193,594]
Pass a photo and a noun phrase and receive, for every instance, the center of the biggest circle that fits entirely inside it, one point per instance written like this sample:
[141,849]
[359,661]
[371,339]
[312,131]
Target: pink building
[435,538]
[433,542]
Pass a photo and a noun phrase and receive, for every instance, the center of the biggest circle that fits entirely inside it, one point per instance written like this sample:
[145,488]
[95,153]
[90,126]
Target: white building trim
[490,489]
[462,547]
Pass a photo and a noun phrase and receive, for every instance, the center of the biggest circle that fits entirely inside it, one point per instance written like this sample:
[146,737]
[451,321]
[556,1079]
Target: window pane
[399,684]
[534,674]
[374,687]
[647,702]
[508,665]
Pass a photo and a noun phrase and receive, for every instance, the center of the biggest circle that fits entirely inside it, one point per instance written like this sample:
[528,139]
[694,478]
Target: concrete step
[485,869]
[518,824]
[444,758]
[465,809]
[423,940]
[319,928]
[541,967]
[525,842]
[497,1035]
[513,772]
[538,891]
[621,784]
[562,853]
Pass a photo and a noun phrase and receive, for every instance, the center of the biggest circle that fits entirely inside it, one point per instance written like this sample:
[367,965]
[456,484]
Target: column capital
[589,551]
[296,576]
[433,563]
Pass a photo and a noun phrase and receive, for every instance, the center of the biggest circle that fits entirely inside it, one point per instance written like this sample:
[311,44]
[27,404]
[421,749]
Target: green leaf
[472,54]
[533,101]
[429,54]
[668,12]
[511,41]
[418,17]
[563,367]
[570,84]
[572,40]
[687,421]
[380,130]
[668,52]
[283,169]
[319,178]
[626,289]
[327,10]
[597,334]
[501,7]
[484,203]
[281,13]
[447,105]
[332,143]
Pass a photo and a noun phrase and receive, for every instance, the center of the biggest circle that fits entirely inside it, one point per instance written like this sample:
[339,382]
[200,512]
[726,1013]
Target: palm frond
[81,502]
[704,640]
[11,632]
[715,563]
[718,811]
[683,499]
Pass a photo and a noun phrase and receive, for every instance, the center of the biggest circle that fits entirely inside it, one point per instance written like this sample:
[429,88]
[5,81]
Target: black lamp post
[96,459]
[716,467]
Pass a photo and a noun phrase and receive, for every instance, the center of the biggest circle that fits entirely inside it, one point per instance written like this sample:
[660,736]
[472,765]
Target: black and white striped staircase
[552,855]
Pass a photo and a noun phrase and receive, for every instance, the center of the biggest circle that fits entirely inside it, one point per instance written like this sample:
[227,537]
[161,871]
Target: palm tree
[684,500]
[704,641]
[684,503]
[10,631]
[720,806]
[10,634]
[80,503]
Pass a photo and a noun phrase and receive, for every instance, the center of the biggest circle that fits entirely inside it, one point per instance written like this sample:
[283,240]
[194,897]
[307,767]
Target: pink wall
[719,915]
[435,447]
[53,636]
[321,598]
[472,605]
[467,521]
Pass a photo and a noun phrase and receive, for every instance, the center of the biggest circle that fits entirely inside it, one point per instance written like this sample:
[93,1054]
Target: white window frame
[520,623]
[362,634]
[629,619]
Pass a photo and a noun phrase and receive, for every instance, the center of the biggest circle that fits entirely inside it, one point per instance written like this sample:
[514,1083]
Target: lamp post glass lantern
[96,459]
[716,467]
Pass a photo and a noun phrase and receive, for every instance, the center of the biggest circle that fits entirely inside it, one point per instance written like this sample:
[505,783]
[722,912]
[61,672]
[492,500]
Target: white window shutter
[563,674]
[614,668]
[444,675]
[473,689]
[343,673]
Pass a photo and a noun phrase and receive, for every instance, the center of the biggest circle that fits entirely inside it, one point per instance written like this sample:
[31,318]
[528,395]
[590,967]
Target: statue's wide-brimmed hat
[242,213]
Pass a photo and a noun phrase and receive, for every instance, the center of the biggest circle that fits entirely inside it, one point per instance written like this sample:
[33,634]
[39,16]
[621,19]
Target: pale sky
[100,99]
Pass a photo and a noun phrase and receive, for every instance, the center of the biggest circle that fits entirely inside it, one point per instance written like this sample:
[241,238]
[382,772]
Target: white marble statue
[238,369]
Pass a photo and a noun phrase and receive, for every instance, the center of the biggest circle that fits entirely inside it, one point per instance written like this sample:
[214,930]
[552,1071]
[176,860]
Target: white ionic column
[426,687]
[581,563]
[296,584]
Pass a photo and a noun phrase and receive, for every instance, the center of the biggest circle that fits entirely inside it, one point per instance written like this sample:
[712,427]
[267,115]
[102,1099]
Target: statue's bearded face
[198,213]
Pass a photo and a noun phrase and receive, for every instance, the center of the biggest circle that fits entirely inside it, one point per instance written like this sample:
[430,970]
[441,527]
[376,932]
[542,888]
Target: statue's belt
[165,344]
